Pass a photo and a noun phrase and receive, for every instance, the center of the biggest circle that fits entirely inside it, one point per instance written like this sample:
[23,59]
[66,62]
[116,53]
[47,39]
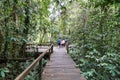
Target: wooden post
[37,48]
[49,54]
[67,47]
[52,49]
[40,69]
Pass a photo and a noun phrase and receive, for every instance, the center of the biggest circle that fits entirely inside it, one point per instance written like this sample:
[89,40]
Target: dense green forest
[92,28]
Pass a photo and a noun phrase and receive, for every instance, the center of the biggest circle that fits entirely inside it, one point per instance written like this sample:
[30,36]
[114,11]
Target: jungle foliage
[97,39]
[21,22]
[91,26]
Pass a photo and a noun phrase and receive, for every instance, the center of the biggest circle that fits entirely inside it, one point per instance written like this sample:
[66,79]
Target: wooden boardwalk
[61,67]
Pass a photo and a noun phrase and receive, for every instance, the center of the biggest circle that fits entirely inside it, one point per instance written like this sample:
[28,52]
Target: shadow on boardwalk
[61,67]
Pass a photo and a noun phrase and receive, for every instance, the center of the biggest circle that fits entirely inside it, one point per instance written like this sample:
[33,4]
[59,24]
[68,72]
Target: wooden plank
[61,67]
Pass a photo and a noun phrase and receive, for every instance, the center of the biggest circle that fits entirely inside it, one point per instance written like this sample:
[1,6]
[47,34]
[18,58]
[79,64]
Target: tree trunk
[26,29]
[1,40]
[5,50]
[15,18]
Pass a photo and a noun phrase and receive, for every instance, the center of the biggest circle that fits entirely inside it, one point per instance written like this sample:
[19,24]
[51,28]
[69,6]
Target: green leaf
[3,74]
[6,70]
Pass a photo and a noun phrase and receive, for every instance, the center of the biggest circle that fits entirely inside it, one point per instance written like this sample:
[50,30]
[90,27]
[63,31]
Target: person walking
[63,42]
[59,42]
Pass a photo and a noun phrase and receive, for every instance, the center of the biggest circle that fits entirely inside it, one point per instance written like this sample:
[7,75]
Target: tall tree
[26,26]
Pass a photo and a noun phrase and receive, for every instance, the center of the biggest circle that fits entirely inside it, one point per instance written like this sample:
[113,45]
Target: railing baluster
[40,70]
[49,54]
[67,47]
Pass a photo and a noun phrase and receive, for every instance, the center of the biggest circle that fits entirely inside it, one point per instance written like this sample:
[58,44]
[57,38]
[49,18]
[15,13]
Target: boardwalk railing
[67,47]
[34,63]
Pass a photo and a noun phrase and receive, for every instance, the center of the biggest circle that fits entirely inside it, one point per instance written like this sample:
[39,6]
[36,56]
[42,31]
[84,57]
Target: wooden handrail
[29,68]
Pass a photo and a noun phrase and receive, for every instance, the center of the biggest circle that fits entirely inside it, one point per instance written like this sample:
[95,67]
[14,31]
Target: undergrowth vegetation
[97,52]
[95,66]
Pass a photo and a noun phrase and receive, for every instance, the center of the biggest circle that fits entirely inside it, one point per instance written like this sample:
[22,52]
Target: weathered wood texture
[61,67]
[32,65]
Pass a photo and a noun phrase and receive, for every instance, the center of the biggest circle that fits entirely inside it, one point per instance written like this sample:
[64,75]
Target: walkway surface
[61,67]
